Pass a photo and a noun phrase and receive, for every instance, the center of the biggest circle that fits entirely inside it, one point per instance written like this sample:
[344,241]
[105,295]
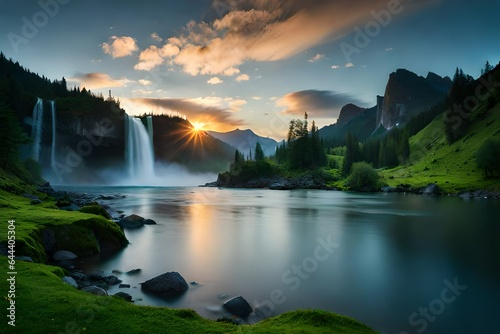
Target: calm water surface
[384,259]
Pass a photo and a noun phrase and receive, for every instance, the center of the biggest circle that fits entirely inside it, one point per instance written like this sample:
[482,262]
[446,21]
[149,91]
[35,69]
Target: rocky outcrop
[238,306]
[168,284]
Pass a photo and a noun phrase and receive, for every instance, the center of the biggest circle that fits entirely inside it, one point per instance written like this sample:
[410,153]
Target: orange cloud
[258,30]
[120,46]
[97,80]
[216,113]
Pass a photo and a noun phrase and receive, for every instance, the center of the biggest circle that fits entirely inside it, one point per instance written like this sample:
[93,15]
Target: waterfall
[36,129]
[149,120]
[140,160]
[53,149]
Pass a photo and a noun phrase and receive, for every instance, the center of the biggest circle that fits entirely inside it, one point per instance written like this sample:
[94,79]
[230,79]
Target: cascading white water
[36,129]
[149,120]
[140,159]
[53,148]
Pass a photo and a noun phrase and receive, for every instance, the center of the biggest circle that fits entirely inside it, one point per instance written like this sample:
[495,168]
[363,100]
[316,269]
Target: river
[398,263]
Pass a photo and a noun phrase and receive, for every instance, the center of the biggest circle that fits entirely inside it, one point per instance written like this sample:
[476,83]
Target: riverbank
[323,180]
[44,303]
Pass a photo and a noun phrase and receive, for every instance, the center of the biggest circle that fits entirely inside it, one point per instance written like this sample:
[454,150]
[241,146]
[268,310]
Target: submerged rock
[168,284]
[238,306]
[132,221]
[149,222]
[124,296]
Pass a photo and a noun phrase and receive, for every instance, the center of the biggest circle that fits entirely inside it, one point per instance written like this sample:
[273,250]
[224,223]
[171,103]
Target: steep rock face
[408,94]
[347,112]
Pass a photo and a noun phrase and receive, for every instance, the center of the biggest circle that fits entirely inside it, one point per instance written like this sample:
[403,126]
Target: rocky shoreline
[169,285]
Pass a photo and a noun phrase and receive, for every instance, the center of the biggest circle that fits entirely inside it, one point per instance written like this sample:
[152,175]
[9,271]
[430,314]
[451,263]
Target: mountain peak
[348,112]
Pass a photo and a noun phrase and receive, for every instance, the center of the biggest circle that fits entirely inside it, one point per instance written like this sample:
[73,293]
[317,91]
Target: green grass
[451,167]
[44,304]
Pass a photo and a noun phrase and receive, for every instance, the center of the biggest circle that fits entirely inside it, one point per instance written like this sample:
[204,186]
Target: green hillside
[452,167]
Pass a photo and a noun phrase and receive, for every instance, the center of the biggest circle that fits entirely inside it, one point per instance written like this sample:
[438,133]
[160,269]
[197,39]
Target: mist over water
[375,257]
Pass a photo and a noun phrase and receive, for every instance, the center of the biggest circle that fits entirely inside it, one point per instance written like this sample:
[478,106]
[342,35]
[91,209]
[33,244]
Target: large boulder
[70,281]
[168,284]
[238,306]
[132,221]
[432,190]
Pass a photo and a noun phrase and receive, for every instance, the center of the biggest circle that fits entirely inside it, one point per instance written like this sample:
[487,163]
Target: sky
[228,64]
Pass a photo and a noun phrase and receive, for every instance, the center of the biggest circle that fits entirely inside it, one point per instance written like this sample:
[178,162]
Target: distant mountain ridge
[245,141]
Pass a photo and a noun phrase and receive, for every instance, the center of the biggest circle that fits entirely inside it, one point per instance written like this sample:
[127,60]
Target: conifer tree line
[302,149]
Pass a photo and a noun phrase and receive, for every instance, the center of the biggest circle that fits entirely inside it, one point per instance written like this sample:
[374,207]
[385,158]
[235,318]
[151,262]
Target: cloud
[216,112]
[317,103]
[215,81]
[335,67]
[389,49]
[120,46]
[316,58]
[97,80]
[265,31]
[257,98]
[149,59]
[156,37]
[144,82]
[242,77]
[348,65]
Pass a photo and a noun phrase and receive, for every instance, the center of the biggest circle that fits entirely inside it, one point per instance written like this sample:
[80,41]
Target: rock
[79,276]
[238,306]
[35,201]
[132,221]
[171,283]
[24,258]
[133,271]
[124,295]
[388,189]
[124,286]
[112,280]
[194,283]
[97,276]
[95,290]
[62,255]
[431,190]
[277,186]
[70,281]
[149,222]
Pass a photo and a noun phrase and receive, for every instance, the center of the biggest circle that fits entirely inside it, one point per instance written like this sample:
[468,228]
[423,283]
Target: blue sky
[247,63]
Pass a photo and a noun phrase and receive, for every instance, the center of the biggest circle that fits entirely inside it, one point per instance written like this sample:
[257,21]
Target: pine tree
[259,153]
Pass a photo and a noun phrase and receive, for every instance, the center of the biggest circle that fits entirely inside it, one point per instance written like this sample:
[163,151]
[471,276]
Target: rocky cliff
[408,94]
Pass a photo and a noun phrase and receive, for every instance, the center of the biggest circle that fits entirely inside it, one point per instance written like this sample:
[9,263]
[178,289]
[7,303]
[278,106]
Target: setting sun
[197,126]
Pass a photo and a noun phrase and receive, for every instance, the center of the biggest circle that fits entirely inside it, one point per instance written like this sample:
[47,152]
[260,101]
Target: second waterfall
[139,152]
